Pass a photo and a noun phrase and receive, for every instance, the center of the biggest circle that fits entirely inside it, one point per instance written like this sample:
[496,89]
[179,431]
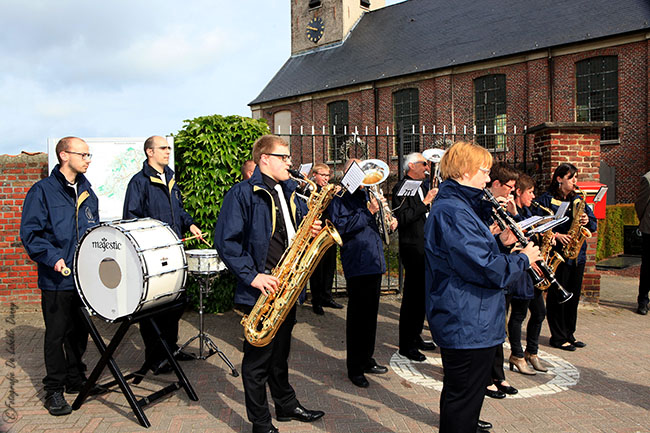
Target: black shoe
[484,425]
[271,429]
[566,346]
[331,303]
[495,394]
[642,309]
[318,310]
[299,414]
[427,345]
[359,381]
[56,404]
[183,356]
[413,355]
[162,367]
[76,389]
[376,369]
[511,390]
[579,344]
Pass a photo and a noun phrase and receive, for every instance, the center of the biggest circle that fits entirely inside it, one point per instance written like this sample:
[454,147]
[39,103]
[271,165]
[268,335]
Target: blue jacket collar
[473,197]
[257,180]
[81,179]
[149,171]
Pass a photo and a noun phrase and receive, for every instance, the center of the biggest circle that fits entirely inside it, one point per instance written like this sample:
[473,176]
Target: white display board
[115,161]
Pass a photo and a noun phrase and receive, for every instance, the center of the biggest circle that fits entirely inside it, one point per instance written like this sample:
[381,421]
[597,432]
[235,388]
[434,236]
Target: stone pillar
[579,144]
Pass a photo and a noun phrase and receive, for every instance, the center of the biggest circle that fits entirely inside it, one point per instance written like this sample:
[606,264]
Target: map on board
[115,161]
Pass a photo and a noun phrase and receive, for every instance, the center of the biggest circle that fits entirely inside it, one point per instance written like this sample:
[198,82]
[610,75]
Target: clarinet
[505,220]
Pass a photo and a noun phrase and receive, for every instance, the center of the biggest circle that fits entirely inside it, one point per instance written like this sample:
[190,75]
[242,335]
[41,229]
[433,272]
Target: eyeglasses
[323,174]
[510,186]
[163,147]
[485,170]
[282,156]
[420,162]
[84,156]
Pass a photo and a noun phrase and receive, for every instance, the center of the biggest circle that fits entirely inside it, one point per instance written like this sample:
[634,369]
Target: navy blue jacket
[548,201]
[148,196]
[53,221]
[465,271]
[362,252]
[245,227]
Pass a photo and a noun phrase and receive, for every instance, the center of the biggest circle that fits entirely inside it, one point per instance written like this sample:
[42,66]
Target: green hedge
[610,230]
[210,151]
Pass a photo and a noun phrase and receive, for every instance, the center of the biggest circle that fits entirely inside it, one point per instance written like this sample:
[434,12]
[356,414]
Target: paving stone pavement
[604,387]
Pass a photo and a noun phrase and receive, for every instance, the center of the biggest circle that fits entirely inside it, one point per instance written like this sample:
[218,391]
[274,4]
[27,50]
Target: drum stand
[204,288]
[106,359]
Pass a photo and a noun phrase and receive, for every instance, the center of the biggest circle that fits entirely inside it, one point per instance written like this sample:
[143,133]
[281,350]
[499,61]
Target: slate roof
[424,35]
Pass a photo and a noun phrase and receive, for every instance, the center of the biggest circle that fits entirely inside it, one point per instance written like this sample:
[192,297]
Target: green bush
[210,151]
[610,230]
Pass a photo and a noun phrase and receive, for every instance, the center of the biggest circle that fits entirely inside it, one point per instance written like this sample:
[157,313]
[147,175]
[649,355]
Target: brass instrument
[293,270]
[376,171]
[550,256]
[434,156]
[505,220]
[577,232]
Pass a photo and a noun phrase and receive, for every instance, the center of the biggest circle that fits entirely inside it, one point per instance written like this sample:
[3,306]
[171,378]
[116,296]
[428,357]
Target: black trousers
[321,281]
[66,339]
[517,315]
[644,278]
[361,321]
[268,364]
[497,373]
[562,318]
[466,374]
[412,310]
[167,322]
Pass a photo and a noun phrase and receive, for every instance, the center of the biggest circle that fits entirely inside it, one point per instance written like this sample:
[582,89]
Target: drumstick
[197,236]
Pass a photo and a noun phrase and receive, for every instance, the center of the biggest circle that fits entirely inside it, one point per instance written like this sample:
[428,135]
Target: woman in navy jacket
[465,276]
[562,318]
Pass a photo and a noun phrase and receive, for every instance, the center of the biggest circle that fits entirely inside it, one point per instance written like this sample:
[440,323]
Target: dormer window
[314,4]
[365,3]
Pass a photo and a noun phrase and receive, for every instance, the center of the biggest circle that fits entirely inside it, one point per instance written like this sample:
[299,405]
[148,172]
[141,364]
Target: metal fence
[334,147]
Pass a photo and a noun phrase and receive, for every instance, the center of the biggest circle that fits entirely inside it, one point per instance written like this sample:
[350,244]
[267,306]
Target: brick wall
[18,276]
[449,99]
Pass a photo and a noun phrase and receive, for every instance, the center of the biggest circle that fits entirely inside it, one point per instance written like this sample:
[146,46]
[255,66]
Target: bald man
[154,193]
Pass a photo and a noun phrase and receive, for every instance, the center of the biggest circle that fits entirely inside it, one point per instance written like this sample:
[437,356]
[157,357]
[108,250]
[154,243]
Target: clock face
[315,29]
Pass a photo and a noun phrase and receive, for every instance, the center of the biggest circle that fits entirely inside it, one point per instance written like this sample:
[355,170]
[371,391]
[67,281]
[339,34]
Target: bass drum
[123,267]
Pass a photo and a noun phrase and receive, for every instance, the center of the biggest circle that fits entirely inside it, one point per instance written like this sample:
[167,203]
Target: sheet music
[600,194]
[529,221]
[409,188]
[353,177]
[549,225]
[305,168]
[561,210]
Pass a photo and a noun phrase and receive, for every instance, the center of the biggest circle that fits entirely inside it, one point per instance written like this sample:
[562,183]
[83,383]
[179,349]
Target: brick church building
[489,65]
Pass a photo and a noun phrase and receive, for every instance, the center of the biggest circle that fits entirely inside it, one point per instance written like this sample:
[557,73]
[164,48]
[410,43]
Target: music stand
[205,278]
[106,359]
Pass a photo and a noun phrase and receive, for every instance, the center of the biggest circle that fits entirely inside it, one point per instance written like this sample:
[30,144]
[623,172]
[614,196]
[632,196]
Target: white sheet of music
[600,194]
[305,168]
[353,177]
[529,221]
[409,188]
[561,210]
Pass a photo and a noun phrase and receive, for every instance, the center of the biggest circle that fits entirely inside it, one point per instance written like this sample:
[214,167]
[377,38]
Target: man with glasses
[256,224]
[411,213]
[503,180]
[56,212]
[153,192]
[322,279]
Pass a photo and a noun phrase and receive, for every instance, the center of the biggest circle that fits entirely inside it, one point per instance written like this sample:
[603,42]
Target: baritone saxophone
[293,270]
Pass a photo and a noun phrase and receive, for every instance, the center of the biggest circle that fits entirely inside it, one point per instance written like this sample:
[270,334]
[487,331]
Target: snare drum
[123,267]
[204,262]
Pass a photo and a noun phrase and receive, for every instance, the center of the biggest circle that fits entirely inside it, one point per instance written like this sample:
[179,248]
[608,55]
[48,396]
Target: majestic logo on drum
[104,245]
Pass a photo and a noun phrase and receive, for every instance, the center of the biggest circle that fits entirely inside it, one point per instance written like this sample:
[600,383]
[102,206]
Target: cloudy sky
[131,68]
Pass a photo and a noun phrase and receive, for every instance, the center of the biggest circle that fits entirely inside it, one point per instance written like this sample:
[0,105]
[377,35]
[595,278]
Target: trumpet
[375,172]
[434,156]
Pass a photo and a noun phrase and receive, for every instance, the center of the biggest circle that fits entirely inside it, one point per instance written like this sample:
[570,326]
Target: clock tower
[318,23]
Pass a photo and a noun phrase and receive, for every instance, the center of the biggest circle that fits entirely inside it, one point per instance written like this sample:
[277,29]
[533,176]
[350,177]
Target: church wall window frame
[597,92]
